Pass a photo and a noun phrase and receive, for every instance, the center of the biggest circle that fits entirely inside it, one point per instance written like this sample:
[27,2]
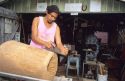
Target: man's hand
[48,44]
[64,50]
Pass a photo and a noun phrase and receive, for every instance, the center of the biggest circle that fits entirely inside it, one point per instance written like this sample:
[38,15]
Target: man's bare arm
[59,42]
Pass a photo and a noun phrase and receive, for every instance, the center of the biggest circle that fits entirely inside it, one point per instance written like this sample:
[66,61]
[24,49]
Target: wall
[8,25]
[30,6]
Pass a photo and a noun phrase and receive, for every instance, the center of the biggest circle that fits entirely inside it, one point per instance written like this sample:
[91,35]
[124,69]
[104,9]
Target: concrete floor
[61,72]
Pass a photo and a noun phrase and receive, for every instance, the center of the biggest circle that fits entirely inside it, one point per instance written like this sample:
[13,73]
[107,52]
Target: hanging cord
[22,26]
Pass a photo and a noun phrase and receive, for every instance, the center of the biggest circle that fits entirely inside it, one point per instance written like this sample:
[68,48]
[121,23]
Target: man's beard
[50,22]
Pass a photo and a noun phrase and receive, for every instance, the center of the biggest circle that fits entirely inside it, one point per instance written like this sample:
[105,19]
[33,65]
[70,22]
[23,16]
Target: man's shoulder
[55,24]
[38,17]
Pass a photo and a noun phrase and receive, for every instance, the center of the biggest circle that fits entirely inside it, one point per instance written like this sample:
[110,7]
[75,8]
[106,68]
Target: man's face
[51,17]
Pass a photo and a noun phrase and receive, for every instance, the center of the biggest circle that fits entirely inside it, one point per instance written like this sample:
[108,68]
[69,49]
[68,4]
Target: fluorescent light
[1,0]
[122,0]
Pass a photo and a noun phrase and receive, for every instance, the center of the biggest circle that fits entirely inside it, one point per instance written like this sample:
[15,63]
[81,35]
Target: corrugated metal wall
[30,6]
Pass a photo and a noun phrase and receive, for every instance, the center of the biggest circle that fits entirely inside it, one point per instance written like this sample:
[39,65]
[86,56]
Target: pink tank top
[44,33]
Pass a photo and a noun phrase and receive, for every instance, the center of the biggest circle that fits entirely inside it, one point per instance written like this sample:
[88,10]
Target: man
[45,32]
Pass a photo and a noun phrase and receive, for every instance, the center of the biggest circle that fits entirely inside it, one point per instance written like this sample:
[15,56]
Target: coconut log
[22,59]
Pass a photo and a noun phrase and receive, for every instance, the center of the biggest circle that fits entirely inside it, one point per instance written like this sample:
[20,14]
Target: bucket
[103,77]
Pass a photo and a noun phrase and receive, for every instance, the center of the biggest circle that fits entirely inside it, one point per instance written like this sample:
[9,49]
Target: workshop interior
[92,30]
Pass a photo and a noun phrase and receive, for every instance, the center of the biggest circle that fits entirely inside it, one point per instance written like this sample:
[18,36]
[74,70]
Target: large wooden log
[22,59]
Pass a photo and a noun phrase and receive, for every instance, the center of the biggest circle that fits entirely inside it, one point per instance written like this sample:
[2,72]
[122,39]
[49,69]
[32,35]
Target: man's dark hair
[52,8]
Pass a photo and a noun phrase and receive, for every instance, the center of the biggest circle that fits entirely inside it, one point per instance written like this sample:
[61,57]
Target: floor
[72,75]
[61,72]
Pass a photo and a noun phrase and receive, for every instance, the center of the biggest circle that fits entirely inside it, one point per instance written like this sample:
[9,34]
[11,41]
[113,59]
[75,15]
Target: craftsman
[45,32]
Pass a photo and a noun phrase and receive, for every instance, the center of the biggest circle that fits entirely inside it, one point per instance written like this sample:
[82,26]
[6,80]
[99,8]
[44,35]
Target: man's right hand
[64,51]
